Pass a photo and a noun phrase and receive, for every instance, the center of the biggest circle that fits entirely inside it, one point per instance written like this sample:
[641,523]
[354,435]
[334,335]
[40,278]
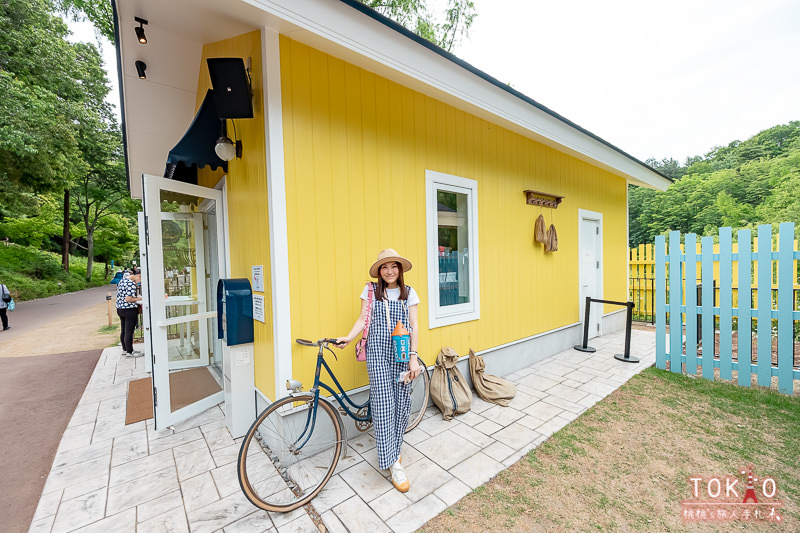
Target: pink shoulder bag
[361,345]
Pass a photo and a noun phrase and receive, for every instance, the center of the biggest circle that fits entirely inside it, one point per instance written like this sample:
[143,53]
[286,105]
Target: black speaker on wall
[231,86]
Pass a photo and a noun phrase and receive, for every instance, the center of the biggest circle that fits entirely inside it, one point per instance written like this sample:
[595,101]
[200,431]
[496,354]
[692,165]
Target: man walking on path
[128,311]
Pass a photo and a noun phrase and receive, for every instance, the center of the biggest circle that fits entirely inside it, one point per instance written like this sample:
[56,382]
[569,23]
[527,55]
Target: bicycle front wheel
[420,390]
[289,453]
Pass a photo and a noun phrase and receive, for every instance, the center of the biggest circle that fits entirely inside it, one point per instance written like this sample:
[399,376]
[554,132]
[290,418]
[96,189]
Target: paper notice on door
[258,308]
[258,278]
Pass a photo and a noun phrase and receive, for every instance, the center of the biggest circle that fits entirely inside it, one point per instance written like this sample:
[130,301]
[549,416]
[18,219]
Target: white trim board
[276,199]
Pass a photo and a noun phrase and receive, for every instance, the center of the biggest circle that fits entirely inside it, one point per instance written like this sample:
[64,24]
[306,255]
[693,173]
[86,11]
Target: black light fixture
[225,147]
[140,68]
[140,30]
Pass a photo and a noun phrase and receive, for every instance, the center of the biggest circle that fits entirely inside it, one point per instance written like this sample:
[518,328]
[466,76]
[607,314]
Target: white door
[591,268]
[183,254]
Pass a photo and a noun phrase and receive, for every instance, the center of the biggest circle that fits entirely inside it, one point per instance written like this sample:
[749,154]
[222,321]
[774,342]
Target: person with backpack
[5,299]
[383,305]
[128,310]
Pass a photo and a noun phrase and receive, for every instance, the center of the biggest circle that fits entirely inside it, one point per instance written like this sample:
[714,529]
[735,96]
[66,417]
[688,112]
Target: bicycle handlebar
[320,342]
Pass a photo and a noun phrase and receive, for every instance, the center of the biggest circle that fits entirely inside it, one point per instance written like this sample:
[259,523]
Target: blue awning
[196,147]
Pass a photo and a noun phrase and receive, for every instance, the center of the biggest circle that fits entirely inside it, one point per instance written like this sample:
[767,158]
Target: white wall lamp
[225,148]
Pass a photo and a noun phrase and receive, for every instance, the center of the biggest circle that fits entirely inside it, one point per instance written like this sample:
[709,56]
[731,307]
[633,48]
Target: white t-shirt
[394,294]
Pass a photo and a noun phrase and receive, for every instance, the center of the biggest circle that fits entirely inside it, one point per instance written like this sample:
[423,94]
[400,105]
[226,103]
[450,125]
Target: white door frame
[151,187]
[146,328]
[593,216]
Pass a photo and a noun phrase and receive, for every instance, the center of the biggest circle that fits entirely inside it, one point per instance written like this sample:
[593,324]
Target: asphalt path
[35,313]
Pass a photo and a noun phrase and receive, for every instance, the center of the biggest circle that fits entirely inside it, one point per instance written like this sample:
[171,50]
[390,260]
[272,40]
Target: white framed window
[452,228]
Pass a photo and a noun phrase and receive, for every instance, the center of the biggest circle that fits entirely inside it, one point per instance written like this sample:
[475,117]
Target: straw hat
[388,256]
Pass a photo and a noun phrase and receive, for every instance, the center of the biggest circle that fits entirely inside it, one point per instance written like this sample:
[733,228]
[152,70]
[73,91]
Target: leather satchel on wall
[489,388]
[449,389]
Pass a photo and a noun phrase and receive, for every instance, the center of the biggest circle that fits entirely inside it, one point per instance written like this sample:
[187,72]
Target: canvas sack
[540,230]
[361,345]
[489,388]
[552,240]
[449,389]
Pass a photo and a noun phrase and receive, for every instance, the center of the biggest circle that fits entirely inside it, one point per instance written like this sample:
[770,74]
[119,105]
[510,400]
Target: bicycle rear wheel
[289,453]
[420,389]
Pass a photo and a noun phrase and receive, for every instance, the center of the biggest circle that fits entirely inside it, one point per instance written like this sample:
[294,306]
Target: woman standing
[5,294]
[390,399]
[128,311]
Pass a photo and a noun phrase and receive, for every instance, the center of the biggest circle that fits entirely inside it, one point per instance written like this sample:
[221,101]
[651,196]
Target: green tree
[743,184]
[115,238]
[97,193]
[445,31]
[41,92]
[97,11]
[53,115]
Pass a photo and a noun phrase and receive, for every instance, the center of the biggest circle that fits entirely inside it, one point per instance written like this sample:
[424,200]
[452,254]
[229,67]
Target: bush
[30,273]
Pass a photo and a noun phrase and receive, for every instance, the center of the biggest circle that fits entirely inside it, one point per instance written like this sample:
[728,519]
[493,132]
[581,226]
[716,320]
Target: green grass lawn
[30,273]
[626,464]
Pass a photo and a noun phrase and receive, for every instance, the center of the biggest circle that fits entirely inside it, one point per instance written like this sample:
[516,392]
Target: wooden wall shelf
[542,199]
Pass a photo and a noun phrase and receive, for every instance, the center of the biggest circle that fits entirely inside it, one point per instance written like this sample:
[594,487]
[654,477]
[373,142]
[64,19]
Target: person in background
[128,310]
[5,294]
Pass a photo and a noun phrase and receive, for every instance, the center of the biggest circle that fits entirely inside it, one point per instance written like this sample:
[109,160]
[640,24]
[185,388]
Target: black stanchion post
[627,355]
[584,347]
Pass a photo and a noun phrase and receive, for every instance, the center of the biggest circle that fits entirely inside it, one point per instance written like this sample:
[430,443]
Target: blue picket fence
[677,296]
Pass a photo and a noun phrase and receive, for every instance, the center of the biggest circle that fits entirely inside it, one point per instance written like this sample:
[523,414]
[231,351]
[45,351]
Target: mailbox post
[235,327]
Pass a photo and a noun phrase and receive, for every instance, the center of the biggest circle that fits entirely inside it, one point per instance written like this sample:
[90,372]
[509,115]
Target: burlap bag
[449,389]
[489,388]
[540,230]
[552,240]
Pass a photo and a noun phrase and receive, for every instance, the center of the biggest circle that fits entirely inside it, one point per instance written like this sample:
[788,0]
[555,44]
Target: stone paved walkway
[109,477]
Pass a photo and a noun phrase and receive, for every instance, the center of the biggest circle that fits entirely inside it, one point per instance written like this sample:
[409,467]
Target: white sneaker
[399,479]
[138,353]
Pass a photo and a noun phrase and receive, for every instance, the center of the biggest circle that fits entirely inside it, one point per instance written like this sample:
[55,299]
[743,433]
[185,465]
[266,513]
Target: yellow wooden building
[363,136]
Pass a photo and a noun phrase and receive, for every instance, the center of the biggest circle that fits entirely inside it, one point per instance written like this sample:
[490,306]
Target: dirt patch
[76,332]
[625,464]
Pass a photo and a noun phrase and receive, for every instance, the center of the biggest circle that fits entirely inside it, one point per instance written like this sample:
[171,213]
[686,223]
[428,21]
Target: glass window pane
[453,242]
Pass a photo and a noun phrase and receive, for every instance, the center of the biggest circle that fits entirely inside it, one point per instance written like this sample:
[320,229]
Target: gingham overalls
[390,401]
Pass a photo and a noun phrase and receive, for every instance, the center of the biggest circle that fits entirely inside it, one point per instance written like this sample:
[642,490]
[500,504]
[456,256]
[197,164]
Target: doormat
[185,387]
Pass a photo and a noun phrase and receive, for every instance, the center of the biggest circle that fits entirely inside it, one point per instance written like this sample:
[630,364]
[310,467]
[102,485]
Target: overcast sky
[656,79]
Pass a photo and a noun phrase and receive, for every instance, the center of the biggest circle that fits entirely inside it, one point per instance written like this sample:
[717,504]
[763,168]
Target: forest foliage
[62,171]
[741,185]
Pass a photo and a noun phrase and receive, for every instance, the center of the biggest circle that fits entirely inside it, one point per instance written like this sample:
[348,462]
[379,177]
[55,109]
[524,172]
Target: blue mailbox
[235,311]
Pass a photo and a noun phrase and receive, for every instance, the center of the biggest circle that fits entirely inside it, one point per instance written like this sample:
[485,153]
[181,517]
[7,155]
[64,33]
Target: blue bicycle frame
[345,405]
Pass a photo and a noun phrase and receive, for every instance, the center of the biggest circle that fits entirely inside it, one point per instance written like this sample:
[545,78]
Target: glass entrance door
[185,260]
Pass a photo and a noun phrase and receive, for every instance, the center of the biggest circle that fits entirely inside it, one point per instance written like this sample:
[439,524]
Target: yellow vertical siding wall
[248,217]
[357,146]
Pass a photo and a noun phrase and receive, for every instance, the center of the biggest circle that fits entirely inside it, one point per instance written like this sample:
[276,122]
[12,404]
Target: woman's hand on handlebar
[414,368]
[342,342]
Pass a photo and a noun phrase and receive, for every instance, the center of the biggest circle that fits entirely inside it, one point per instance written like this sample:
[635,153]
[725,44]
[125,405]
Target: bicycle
[297,451]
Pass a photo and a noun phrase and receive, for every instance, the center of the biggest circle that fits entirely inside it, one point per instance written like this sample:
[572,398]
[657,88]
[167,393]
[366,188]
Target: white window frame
[452,314]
